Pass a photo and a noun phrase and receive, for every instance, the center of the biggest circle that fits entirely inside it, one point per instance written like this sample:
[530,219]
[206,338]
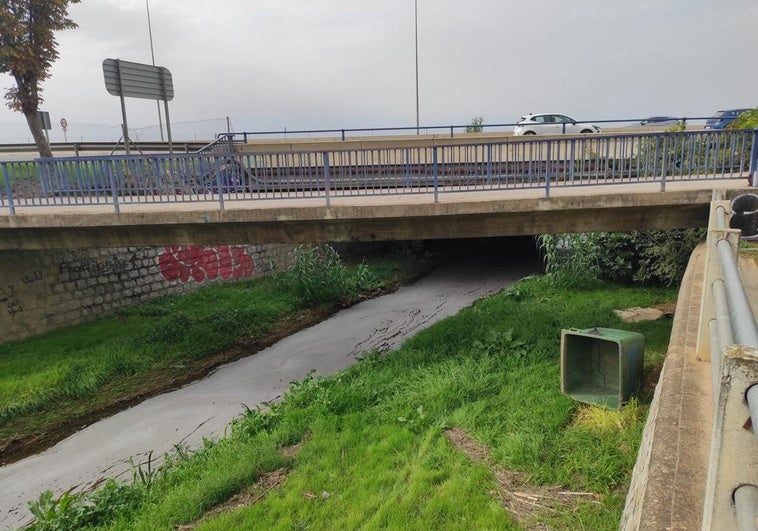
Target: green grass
[373,452]
[66,376]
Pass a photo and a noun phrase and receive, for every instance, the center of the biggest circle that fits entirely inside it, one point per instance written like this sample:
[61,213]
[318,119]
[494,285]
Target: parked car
[551,124]
[723,118]
[655,121]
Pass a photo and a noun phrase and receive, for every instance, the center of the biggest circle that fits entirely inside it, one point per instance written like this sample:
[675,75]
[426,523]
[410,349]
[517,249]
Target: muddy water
[204,408]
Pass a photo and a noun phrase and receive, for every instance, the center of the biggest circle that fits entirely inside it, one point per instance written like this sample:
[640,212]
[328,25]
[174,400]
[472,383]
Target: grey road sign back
[136,80]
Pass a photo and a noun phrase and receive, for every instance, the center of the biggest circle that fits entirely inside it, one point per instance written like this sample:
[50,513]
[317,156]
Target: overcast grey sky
[302,64]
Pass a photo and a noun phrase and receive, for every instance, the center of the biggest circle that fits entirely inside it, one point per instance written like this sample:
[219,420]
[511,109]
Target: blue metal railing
[513,163]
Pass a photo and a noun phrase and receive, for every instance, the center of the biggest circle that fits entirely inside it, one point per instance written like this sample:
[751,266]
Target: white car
[551,124]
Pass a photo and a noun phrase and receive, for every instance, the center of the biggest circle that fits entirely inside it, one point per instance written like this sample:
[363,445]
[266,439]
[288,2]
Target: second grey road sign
[136,80]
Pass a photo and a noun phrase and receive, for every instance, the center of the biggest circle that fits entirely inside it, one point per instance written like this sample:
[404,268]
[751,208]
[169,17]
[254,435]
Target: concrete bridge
[375,218]
[622,182]
[374,189]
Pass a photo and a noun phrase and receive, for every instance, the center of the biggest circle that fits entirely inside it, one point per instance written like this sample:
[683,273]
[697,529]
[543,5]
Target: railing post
[326,177]
[489,164]
[8,191]
[114,189]
[754,160]
[219,187]
[547,170]
[343,134]
[435,174]
[572,161]
[451,131]
[664,163]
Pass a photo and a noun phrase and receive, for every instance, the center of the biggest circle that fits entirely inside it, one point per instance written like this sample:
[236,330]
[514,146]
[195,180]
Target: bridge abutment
[44,290]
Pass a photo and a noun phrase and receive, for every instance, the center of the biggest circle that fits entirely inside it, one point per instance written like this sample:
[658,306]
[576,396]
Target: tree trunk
[39,136]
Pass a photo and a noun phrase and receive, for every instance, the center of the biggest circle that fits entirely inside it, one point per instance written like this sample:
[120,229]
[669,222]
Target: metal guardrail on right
[728,337]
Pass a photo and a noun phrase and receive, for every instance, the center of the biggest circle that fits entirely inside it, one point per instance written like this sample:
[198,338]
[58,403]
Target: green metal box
[601,366]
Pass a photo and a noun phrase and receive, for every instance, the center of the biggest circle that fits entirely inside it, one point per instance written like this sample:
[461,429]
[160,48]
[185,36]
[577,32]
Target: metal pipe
[743,322]
[746,505]
[723,320]
[415,23]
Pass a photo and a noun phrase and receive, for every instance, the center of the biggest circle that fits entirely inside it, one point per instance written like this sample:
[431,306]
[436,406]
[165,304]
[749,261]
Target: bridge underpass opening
[506,250]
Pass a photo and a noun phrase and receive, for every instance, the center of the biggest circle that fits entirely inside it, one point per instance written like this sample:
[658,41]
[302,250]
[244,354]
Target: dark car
[723,118]
[660,120]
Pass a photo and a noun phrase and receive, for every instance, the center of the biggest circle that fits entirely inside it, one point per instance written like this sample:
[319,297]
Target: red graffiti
[182,262]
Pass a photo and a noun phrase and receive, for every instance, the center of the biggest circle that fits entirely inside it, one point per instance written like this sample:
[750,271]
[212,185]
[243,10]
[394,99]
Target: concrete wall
[43,290]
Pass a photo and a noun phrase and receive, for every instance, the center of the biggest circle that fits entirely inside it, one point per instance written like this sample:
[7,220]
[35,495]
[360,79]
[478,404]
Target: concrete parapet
[733,460]
[668,482]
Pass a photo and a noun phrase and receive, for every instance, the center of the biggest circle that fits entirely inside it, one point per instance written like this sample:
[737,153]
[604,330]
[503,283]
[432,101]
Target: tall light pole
[152,54]
[415,10]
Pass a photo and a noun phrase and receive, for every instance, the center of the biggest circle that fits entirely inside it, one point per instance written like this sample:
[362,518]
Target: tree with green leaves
[27,51]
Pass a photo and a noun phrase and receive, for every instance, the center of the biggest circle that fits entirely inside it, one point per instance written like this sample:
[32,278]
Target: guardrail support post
[8,191]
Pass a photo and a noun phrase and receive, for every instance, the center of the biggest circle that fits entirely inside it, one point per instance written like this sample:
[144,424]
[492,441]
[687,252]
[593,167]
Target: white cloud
[301,64]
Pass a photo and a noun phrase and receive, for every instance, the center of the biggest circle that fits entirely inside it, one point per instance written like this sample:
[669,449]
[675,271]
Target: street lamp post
[415,10]
[152,54]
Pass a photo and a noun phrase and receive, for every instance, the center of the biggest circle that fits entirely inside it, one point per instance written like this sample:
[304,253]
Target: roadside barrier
[728,338]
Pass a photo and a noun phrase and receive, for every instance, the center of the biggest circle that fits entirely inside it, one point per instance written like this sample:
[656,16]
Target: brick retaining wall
[43,290]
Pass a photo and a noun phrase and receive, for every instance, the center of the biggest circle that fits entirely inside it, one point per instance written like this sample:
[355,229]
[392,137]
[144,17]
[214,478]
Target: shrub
[746,120]
[645,257]
[475,125]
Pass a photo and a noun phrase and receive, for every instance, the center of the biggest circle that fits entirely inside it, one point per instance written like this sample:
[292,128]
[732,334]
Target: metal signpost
[136,80]
[44,121]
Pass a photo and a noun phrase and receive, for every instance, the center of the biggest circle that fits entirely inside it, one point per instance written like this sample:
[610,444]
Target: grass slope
[52,384]
[372,445]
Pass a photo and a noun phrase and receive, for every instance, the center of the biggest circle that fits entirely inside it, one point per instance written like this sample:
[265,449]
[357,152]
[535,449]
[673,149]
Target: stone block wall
[44,290]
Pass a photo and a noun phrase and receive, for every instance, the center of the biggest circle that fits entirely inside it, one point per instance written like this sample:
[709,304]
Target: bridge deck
[366,218]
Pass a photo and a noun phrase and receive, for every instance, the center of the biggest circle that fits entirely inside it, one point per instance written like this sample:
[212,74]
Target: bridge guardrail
[533,162]
[344,132]
[728,338]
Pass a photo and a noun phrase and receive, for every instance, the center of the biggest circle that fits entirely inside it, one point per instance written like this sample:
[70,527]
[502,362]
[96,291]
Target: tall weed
[318,275]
